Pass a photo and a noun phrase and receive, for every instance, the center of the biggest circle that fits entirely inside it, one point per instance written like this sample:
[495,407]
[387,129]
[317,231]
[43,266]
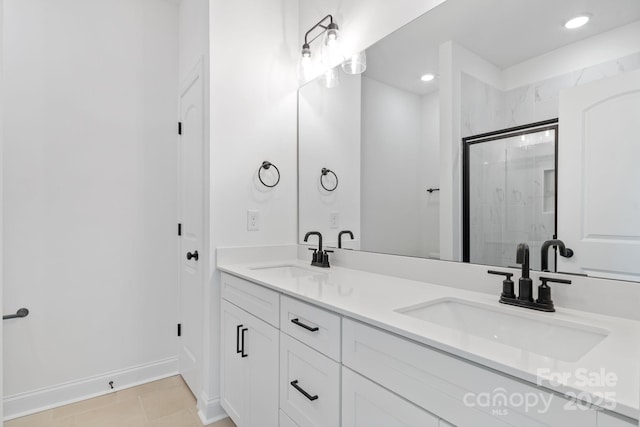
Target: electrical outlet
[253,220]
[334,220]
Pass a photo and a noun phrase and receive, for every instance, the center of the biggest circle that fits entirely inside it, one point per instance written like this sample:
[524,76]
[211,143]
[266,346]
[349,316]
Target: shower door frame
[468,141]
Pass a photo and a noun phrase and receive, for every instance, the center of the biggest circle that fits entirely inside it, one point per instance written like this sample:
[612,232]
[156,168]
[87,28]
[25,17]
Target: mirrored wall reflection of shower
[510,193]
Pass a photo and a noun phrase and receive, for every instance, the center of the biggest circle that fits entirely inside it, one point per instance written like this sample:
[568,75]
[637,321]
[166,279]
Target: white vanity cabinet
[366,404]
[293,364]
[450,387]
[309,385]
[249,365]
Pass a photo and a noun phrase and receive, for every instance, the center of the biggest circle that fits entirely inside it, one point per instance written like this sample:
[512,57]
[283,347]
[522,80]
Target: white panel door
[599,177]
[191,256]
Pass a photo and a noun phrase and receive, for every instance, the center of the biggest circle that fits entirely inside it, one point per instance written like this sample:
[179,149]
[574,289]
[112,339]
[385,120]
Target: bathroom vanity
[306,346]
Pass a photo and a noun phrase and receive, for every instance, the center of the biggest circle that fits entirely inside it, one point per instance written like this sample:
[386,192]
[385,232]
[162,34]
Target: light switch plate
[334,220]
[253,220]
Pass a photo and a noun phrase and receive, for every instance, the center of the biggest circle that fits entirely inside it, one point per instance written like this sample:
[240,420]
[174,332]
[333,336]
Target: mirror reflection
[472,131]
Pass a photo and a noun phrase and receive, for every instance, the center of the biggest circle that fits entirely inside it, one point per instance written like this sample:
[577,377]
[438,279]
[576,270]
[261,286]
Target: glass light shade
[355,64]
[305,68]
[331,50]
[331,78]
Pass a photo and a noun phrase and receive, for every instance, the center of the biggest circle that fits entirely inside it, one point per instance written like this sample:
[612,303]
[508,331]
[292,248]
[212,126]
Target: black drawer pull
[307,327]
[238,349]
[243,331]
[307,395]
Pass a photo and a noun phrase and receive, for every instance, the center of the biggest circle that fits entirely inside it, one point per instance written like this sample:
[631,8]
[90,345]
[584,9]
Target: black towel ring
[326,171]
[266,165]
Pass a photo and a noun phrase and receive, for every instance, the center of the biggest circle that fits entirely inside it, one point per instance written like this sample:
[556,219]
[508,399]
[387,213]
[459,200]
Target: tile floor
[163,403]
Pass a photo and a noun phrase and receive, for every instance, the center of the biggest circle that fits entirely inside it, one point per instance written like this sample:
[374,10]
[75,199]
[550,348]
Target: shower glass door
[509,194]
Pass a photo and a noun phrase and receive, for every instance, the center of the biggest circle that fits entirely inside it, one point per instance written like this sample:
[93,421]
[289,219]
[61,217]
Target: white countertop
[372,298]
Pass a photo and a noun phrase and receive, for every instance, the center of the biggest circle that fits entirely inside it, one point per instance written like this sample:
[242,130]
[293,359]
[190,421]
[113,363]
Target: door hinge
[179,229]
[179,329]
[179,128]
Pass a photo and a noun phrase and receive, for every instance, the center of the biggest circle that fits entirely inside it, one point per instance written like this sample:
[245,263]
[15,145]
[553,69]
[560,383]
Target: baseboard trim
[209,410]
[27,403]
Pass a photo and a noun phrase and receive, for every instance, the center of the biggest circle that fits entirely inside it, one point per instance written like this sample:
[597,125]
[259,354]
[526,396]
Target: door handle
[23,312]
[242,341]
[193,255]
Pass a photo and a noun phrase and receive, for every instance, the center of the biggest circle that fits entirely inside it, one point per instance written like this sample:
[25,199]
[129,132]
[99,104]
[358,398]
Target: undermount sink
[289,271]
[531,332]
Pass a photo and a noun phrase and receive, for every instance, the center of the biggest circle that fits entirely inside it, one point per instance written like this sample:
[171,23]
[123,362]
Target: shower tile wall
[513,201]
[485,108]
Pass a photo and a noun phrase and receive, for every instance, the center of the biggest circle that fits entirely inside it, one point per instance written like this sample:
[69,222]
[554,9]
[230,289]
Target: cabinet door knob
[193,255]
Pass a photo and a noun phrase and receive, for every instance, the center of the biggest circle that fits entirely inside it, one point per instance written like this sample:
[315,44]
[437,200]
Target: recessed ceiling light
[577,22]
[427,77]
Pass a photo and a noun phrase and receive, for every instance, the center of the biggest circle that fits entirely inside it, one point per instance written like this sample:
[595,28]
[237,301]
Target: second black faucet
[319,258]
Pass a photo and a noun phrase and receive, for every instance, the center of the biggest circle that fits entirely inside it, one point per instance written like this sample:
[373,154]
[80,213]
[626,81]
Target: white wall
[391,166]
[90,196]
[454,61]
[429,176]
[1,195]
[329,135]
[253,48]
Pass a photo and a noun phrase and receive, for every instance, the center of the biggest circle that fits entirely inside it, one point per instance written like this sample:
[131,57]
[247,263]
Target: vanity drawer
[365,403]
[255,299]
[451,388]
[311,373]
[318,328]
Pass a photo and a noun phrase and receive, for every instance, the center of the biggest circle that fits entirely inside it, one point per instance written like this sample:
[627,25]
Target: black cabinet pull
[238,350]
[307,395]
[307,327]
[242,339]
[193,255]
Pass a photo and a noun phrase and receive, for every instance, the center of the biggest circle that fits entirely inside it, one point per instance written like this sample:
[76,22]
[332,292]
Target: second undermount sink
[289,271]
[531,332]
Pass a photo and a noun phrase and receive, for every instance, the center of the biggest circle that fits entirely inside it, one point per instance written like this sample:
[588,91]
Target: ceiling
[503,32]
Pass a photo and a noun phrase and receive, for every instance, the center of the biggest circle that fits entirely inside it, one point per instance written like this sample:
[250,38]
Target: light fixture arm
[324,27]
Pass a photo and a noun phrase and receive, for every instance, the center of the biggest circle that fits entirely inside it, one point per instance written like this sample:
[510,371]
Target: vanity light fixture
[427,77]
[577,22]
[330,52]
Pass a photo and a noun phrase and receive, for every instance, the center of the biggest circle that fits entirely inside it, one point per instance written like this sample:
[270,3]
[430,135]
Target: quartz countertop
[373,299]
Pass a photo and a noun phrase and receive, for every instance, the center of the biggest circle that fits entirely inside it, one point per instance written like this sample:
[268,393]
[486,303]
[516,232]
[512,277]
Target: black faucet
[340,237]
[525,285]
[320,258]
[544,253]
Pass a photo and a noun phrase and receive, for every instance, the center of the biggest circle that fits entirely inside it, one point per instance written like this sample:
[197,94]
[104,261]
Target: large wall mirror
[527,131]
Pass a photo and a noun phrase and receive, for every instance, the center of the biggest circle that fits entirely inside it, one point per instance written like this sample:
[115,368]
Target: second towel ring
[266,165]
[325,172]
